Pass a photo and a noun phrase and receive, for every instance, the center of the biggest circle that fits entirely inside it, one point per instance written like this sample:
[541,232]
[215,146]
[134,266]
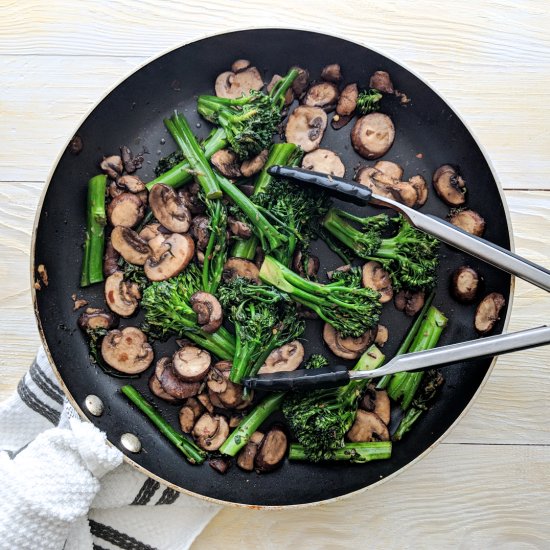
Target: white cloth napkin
[63,487]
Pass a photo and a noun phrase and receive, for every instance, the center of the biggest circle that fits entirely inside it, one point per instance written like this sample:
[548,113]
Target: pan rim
[107,92]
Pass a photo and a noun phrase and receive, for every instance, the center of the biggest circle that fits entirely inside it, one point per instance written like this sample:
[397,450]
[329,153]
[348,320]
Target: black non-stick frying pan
[428,134]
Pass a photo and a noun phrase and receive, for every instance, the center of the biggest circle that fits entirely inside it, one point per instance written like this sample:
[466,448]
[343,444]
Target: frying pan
[428,133]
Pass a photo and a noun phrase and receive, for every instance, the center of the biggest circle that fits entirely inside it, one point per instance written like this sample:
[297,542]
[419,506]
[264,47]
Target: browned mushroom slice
[421,187]
[339,121]
[245,459]
[133,184]
[239,228]
[404,192]
[378,402]
[227,163]
[208,309]
[370,177]
[127,350]
[390,169]
[254,165]
[346,348]
[171,258]
[154,380]
[488,312]
[169,208]
[125,210]
[289,95]
[232,85]
[114,190]
[325,161]
[220,464]
[306,126]
[189,414]
[110,259]
[240,65]
[382,335]
[121,296]
[191,200]
[409,302]
[348,100]
[449,185]
[129,245]
[227,393]
[377,278]
[218,377]
[112,166]
[468,220]
[323,95]
[200,230]
[305,270]
[284,359]
[332,73]
[204,400]
[301,82]
[381,81]
[235,420]
[215,400]
[465,284]
[237,267]
[94,318]
[191,363]
[176,387]
[272,450]
[373,135]
[368,426]
[211,431]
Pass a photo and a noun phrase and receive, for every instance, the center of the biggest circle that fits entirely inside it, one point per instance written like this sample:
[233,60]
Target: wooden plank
[460,496]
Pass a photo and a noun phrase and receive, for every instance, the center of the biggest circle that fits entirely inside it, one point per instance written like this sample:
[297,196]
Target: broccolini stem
[280,89]
[350,452]
[193,453]
[343,231]
[215,253]
[220,343]
[245,248]
[92,265]
[250,423]
[411,416]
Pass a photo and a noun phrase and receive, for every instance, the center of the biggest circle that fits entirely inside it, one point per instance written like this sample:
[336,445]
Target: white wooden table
[488,484]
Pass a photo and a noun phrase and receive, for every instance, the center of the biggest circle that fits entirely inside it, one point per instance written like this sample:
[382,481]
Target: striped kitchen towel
[63,487]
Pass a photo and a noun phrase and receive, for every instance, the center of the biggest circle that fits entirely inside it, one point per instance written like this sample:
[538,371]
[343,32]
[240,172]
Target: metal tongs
[445,355]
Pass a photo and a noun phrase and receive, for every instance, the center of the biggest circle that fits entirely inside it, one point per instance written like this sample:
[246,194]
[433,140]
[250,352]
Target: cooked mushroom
[323,94]
[112,166]
[254,165]
[421,187]
[325,161]
[465,283]
[240,65]
[204,400]
[381,81]
[189,413]
[125,210]
[220,464]
[211,431]
[301,82]
[129,245]
[347,348]
[344,268]
[110,259]
[449,185]
[332,73]
[378,402]
[306,126]
[339,121]
[200,230]
[121,296]
[190,198]
[239,228]
[390,169]
[176,387]
[348,100]
[215,400]
[382,335]
[368,426]
[409,302]
[235,420]
[488,311]
[127,159]
[154,380]
[228,393]
[232,85]
[373,135]
[114,190]
[152,230]
[237,267]
[245,459]
[227,163]
[131,183]
[284,359]
[370,177]
[170,257]
[289,95]
[169,208]
[208,309]
[310,270]
[191,363]
[377,278]
[271,450]
[127,350]
[93,318]
[469,221]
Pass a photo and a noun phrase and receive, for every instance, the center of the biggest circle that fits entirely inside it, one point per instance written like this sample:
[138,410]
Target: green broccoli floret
[368,101]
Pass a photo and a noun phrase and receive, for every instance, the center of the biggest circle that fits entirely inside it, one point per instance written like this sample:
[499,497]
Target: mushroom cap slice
[211,431]
[468,220]
[255,164]
[378,402]
[154,381]
[272,450]
[226,163]
[191,363]
[465,283]
[332,73]
[391,169]
[208,309]
[404,192]
[233,85]
[368,426]
[339,121]
[410,302]
[112,166]
[421,187]
[381,81]
[284,359]
[371,178]
[449,185]
[301,82]
[373,135]
[325,161]
[189,413]
[245,459]
[200,230]
[227,393]
[323,94]
[347,102]
[488,312]
[239,228]
[110,259]
[126,210]
[172,257]
[306,126]
[376,277]
[237,267]
[94,318]
[130,245]
[133,184]
[176,387]
[169,208]
[127,350]
[347,348]
[240,65]
[382,335]
[121,296]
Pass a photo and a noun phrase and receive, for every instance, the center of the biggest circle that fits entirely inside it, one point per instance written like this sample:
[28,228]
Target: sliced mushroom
[208,309]
[204,400]
[377,278]
[152,230]
[127,350]
[114,190]
[211,431]
[323,94]
[465,284]
[170,258]
[382,335]
[169,208]
[125,210]
[191,363]
[176,387]
[368,426]
[127,159]
[289,95]
[121,296]
[301,82]
[310,270]
[254,165]
[215,400]
[306,126]
[272,450]
[390,169]
[343,268]
[378,402]
[228,393]
[409,302]
[381,81]
[404,192]
[284,359]
[129,245]
[154,381]
[227,163]
[339,121]
[220,464]
[112,166]
[237,267]
[325,161]
[421,187]
[239,228]
[200,230]
[131,183]
[191,200]
[240,65]
[93,318]
[110,259]
[346,348]
[332,73]
[245,459]
[235,420]
[189,414]
[348,100]
[469,221]
[449,185]
[488,312]
[373,135]
[232,85]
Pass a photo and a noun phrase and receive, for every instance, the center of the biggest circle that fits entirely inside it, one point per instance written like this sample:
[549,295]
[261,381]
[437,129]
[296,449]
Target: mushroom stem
[350,452]
[92,266]
[193,453]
